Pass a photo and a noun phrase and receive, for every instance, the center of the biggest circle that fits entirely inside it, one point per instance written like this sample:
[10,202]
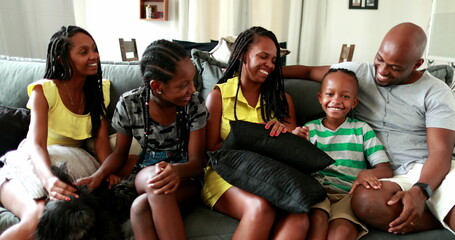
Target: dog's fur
[97,214]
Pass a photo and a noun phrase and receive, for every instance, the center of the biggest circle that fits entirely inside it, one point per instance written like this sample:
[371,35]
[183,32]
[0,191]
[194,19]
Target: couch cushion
[263,176]
[14,124]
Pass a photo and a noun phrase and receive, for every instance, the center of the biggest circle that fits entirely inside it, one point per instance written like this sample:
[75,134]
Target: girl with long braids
[167,117]
[67,107]
[251,90]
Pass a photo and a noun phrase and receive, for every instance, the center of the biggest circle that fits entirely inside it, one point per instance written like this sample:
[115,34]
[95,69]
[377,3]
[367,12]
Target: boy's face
[338,95]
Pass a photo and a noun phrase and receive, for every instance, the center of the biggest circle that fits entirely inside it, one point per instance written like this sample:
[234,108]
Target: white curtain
[307,28]
[299,23]
[26,26]
[202,20]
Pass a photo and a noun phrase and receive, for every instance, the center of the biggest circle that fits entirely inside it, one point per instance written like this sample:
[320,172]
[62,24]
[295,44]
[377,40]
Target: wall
[366,28]
[109,20]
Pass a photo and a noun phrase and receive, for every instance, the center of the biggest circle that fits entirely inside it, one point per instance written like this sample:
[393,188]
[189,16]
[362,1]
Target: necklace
[71,98]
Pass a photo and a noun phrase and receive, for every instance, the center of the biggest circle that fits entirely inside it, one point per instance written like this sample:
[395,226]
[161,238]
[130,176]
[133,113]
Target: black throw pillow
[280,184]
[288,148]
[13,127]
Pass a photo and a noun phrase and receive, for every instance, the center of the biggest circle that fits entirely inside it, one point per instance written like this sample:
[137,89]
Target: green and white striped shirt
[354,147]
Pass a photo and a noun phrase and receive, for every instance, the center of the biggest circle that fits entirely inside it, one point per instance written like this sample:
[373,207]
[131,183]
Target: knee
[259,209]
[318,217]
[340,233]
[300,221]
[365,203]
[140,206]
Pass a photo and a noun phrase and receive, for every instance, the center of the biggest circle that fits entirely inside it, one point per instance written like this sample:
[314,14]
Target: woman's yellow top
[215,186]
[244,111]
[65,127]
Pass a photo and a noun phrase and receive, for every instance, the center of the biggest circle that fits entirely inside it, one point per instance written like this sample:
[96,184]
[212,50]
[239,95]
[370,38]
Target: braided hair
[273,99]
[58,66]
[159,62]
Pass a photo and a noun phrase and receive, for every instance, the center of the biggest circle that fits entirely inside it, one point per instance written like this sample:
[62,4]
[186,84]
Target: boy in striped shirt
[354,146]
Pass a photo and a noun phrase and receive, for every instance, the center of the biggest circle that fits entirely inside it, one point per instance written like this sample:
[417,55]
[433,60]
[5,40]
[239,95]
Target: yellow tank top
[244,111]
[65,127]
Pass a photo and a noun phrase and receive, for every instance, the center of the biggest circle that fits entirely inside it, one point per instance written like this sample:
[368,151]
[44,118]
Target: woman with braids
[251,90]
[167,117]
[67,107]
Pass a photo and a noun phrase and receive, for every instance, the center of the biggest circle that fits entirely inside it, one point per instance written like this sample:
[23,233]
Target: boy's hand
[302,132]
[367,179]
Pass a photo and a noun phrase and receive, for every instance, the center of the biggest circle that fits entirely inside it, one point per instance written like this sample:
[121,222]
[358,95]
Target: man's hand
[413,202]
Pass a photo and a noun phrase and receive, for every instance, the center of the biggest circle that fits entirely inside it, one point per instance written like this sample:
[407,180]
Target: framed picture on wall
[363,4]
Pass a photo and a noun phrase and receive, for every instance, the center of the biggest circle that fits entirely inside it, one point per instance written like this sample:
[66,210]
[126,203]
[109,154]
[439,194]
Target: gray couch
[201,223]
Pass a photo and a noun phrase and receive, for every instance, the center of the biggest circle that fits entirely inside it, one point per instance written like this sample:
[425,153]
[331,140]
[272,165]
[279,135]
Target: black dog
[97,214]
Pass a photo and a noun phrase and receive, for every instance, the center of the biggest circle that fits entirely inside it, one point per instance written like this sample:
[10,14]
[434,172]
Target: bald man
[413,115]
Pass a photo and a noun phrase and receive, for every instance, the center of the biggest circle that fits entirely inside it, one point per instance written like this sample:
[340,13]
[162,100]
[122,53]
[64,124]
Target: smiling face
[180,87]
[259,60]
[83,55]
[399,55]
[338,95]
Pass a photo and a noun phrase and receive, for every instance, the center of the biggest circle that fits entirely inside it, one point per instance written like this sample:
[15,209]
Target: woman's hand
[59,190]
[302,132]
[166,180]
[277,127]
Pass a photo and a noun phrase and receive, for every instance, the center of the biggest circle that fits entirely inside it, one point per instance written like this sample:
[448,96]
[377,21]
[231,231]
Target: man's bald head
[406,38]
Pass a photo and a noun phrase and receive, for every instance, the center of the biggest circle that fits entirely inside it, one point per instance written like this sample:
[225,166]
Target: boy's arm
[369,178]
[305,72]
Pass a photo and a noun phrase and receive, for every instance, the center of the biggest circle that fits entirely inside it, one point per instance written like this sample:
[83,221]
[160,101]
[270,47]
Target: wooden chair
[128,49]
[346,53]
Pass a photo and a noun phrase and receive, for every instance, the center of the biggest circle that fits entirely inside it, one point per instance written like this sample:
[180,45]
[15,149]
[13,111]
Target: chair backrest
[346,53]
[128,49]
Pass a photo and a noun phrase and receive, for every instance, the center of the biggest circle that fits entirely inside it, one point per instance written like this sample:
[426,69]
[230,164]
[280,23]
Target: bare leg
[25,208]
[142,219]
[256,214]
[163,213]
[371,207]
[319,225]
[342,229]
[291,226]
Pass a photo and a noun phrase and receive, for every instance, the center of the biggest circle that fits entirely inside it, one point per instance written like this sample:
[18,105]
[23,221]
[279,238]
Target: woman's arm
[37,142]
[213,129]
[112,163]
[291,121]
[102,145]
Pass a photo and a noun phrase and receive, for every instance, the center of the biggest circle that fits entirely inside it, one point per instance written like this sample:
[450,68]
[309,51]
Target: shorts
[338,205]
[442,200]
[214,187]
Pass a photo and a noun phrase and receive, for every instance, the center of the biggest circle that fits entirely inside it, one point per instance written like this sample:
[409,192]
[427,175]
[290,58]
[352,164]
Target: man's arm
[305,72]
[440,147]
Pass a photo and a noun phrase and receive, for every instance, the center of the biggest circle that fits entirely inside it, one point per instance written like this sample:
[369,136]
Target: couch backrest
[16,73]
